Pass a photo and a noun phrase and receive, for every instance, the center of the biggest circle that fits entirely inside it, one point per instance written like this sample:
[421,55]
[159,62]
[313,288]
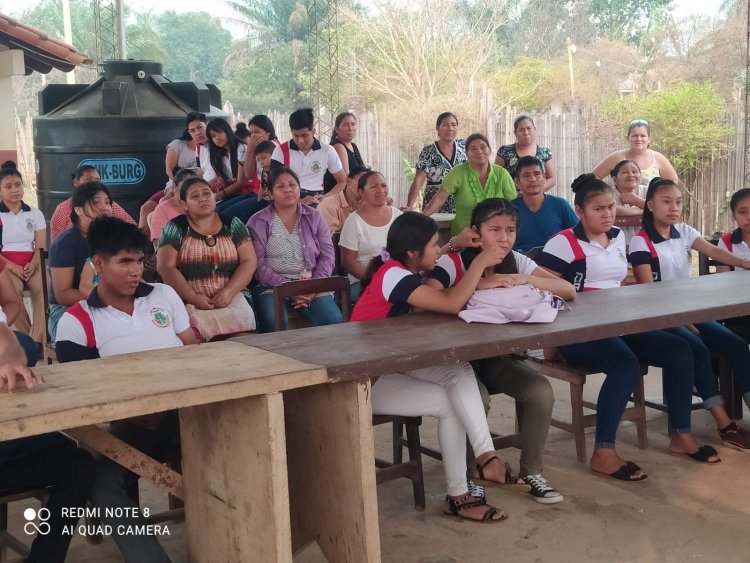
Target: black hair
[443,116]
[302,119]
[738,196]
[276,172]
[518,121]
[85,193]
[8,171]
[362,182]
[586,186]
[194,116]
[183,174]
[410,231]
[189,183]
[647,222]
[265,147]
[484,211]
[616,170]
[186,136]
[8,165]
[263,122]
[358,169]
[109,235]
[527,162]
[216,154]
[241,131]
[81,170]
[477,137]
[339,118]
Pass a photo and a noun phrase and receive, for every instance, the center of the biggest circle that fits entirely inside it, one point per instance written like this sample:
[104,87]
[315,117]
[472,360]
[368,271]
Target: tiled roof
[41,52]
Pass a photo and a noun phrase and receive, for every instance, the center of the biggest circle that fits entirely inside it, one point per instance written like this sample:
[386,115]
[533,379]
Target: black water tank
[121,124]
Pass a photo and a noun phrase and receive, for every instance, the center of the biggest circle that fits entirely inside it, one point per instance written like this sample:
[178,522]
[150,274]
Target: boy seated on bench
[121,315]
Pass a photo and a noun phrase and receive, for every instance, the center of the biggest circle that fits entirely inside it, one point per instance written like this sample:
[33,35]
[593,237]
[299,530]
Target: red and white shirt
[17,232]
[734,242]
[451,267]
[387,293]
[61,217]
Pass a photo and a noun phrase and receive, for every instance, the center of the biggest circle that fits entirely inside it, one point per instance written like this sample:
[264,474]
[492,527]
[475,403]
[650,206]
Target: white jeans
[450,394]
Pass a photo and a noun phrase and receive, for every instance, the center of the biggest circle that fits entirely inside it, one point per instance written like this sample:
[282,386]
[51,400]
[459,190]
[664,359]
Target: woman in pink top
[169,207]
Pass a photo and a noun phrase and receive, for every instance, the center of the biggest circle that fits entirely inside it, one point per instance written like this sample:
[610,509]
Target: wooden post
[234,472]
[332,470]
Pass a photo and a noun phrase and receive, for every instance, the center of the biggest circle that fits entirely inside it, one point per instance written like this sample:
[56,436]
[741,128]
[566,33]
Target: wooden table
[287,415]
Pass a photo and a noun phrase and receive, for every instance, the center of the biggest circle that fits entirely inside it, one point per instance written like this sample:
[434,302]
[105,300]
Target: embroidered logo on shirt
[315,167]
[621,254]
[159,317]
[30,225]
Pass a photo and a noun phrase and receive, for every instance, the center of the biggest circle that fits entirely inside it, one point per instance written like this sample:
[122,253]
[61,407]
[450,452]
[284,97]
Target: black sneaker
[475,490]
[735,436]
[541,490]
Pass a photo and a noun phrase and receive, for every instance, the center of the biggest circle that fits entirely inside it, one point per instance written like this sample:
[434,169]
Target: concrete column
[11,64]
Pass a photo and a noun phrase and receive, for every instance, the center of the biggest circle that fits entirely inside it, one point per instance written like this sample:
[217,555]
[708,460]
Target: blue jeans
[715,337]
[55,314]
[619,359]
[242,207]
[322,310]
[29,346]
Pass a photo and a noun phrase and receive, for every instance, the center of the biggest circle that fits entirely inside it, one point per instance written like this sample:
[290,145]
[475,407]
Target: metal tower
[109,30]
[746,170]
[323,62]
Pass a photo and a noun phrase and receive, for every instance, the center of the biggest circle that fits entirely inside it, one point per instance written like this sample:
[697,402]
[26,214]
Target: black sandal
[703,454]
[510,479]
[626,472]
[466,502]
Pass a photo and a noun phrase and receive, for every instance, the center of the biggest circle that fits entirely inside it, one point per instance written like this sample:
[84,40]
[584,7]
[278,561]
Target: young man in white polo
[309,158]
[122,315]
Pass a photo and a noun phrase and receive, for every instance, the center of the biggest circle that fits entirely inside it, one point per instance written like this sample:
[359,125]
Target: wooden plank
[126,455]
[82,393]
[331,470]
[374,348]
[236,492]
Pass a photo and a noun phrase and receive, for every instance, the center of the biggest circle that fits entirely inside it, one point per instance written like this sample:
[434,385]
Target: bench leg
[331,475]
[235,480]
[639,400]
[398,449]
[579,428]
[415,457]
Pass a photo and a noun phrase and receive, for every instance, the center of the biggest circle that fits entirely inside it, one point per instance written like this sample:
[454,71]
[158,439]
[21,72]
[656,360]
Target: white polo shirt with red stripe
[387,294]
[310,167]
[669,258]
[451,267]
[18,230]
[91,329]
[734,242]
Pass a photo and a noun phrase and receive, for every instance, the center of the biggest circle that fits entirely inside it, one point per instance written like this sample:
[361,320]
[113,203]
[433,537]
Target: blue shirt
[537,227]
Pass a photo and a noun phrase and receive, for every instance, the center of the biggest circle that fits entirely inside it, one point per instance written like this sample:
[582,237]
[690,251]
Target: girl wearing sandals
[495,220]
[591,256]
[661,252]
[391,286]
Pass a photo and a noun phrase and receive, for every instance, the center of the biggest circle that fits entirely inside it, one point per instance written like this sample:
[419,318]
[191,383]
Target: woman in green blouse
[472,182]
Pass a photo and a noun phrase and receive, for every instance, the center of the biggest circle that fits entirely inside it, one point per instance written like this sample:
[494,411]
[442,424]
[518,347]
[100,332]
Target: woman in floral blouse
[525,145]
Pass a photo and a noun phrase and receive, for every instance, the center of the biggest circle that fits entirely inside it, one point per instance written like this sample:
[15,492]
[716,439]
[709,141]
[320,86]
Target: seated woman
[209,262]
[292,242]
[366,230]
[496,222]
[629,194]
[737,242]
[225,171]
[472,182]
[71,275]
[171,206]
[393,285]
[661,252]
[591,256]
[24,232]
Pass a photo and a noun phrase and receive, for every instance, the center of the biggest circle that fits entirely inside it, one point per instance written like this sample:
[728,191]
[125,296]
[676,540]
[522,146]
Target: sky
[220,9]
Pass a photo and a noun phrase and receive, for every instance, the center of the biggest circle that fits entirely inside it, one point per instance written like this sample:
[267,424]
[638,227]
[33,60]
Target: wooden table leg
[235,481]
[332,470]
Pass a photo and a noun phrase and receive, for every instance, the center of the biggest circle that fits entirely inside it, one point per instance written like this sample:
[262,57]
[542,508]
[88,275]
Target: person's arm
[499,160]
[350,264]
[467,238]
[166,265]
[416,185]
[643,273]
[266,276]
[343,157]
[623,211]
[241,277]
[605,166]
[86,284]
[62,285]
[719,254]
[170,161]
[436,202]
[326,259]
[335,166]
[666,170]
[187,337]
[251,166]
[13,363]
[9,301]
[340,186]
[547,281]
[40,241]
[551,178]
[235,186]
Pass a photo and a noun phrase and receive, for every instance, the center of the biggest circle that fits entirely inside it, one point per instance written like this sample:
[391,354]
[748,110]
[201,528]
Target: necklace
[210,240]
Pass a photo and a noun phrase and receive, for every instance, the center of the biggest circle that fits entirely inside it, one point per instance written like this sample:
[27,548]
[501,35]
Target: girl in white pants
[391,286]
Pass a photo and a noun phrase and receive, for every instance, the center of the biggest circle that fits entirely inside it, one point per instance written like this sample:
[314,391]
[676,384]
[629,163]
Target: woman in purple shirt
[292,242]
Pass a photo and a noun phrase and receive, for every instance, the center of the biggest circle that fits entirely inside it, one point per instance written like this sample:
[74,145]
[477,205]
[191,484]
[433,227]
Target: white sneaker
[541,490]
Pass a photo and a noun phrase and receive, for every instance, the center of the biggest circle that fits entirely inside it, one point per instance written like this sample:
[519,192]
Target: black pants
[69,473]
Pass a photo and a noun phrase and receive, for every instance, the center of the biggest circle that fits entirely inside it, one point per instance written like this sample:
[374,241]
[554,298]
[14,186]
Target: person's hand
[11,372]
[222,298]
[16,270]
[745,264]
[308,199]
[468,238]
[202,302]
[216,184]
[301,301]
[29,269]
[405,209]
[490,256]
[628,198]
[389,201]
[553,354]
[495,280]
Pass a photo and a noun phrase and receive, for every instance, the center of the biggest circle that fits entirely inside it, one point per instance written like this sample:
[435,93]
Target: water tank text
[118,170]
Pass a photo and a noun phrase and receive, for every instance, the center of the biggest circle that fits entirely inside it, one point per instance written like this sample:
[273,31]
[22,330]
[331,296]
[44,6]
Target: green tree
[628,20]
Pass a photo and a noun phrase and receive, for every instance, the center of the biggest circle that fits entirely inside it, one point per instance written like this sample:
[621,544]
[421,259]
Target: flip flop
[702,455]
[625,473]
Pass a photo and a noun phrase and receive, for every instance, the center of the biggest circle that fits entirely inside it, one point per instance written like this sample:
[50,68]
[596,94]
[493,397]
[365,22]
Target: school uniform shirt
[669,258]
[536,227]
[209,173]
[387,294]
[586,264]
[90,329]
[734,242]
[310,167]
[451,267]
[17,232]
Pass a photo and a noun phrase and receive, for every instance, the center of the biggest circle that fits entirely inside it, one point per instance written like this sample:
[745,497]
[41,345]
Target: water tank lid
[139,70]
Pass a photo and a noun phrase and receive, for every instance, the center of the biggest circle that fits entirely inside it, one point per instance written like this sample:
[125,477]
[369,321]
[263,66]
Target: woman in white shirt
[365,231]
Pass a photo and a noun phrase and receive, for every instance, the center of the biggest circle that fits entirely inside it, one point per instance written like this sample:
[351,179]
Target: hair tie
[385,255]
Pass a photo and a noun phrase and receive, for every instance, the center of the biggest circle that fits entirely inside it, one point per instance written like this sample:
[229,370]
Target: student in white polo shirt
[591,256]
[309,158]
[661,251]
[738,241]
[121,315]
